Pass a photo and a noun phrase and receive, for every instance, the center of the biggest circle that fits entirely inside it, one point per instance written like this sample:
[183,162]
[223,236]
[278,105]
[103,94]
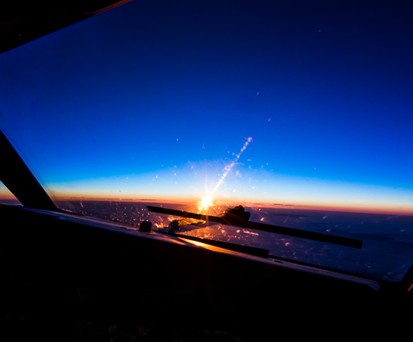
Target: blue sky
[157,98]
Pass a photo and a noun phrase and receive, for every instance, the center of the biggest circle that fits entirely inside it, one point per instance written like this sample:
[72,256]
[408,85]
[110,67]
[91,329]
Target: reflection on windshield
[380,233]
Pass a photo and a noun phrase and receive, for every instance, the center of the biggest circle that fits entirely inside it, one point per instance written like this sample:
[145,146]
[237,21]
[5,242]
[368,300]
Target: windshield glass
[299,111]
[6,196]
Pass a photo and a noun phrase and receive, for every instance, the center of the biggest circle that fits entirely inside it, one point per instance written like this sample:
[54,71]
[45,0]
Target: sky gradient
[291,102]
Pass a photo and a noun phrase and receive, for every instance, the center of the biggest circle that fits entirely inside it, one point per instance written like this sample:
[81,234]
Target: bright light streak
[208,199]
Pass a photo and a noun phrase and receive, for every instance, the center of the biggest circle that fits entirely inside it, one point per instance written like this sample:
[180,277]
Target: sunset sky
[290,102]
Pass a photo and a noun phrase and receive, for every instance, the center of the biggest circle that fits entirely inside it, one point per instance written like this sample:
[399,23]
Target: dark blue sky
[157,98]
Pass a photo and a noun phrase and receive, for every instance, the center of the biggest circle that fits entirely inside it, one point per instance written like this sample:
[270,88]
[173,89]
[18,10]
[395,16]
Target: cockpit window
[298,111]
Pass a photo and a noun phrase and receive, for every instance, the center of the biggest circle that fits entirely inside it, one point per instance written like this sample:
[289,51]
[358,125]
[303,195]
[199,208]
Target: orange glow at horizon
[247,188]
[205,203]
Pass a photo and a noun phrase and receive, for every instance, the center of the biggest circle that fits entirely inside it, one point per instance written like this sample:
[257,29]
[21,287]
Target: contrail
[229,167]
[207,200]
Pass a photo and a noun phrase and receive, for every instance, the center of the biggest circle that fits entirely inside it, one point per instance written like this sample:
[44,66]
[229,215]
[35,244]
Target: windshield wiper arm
[239,218]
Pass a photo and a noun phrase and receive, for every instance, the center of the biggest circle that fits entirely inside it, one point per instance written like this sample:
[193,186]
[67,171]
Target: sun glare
[205,203]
